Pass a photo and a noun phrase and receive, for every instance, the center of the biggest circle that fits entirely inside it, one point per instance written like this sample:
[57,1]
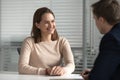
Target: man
[107,64]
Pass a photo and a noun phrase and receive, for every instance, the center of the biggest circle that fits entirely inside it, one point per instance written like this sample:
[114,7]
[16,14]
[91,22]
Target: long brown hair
[108,9]
[36,33]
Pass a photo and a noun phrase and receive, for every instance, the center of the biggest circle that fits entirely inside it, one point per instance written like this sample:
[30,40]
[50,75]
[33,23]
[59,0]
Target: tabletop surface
[15,76]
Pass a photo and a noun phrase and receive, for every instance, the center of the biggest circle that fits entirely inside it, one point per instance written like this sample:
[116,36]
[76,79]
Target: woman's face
[47,24]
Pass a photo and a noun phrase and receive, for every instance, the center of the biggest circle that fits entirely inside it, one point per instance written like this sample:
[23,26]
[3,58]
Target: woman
[107,64]
[42,53]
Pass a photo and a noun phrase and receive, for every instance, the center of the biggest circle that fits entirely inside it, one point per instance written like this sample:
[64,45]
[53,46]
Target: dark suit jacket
[107,64]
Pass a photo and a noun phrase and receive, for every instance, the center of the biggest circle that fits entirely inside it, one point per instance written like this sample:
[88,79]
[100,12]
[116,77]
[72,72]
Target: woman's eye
[53,21]
[46,22]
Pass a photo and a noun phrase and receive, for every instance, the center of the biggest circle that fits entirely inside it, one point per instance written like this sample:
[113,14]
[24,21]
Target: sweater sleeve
[67,56]
[23,64]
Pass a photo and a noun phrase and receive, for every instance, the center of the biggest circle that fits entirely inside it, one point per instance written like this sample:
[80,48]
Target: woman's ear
[37,25]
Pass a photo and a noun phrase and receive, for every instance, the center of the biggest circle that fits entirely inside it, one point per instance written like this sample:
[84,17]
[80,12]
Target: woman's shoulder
[63,39]
[29,39]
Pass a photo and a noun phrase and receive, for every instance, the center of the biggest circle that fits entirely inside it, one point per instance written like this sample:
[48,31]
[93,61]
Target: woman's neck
[46,38]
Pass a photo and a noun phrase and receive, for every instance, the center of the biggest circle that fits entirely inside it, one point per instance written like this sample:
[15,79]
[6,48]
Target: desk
[16,76]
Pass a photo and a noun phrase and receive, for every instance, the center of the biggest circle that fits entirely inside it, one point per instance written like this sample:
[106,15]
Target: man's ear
[102,20]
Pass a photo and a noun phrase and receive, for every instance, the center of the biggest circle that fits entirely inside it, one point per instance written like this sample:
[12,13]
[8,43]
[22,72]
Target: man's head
[106,12]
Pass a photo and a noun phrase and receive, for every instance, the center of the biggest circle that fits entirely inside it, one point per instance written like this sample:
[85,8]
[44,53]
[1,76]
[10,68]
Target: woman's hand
[57,71]
[48,70]
[85,74]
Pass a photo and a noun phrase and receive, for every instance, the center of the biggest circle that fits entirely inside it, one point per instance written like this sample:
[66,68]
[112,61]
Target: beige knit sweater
[36,57]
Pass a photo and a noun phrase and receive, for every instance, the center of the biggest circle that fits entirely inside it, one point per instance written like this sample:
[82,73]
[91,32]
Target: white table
[16,76]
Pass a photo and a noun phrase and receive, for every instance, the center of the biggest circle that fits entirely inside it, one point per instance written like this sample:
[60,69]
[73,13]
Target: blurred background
[74,21]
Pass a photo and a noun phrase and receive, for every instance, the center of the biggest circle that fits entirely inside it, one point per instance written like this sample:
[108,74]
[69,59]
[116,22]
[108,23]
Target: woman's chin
[50,32]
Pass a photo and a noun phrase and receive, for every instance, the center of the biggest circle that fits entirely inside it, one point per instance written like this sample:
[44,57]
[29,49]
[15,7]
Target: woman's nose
[50,24]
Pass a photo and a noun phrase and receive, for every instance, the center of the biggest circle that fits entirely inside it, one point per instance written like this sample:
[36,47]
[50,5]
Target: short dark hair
[108,9]
[36,33]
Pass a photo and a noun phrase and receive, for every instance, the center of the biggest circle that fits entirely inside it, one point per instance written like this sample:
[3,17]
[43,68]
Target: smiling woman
[42,53]
[47,25]
[44,25]
[16,21]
